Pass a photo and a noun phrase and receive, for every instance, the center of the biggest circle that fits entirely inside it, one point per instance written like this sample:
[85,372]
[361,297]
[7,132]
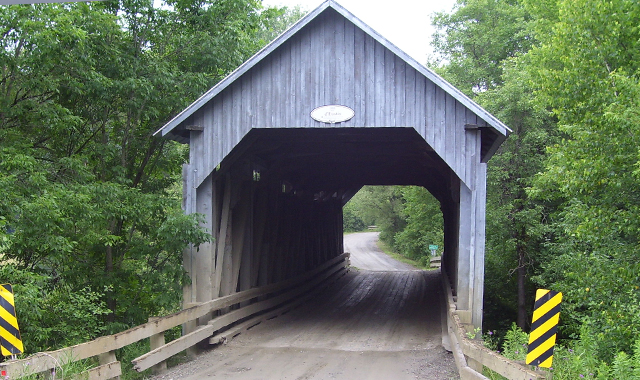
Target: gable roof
[501,129]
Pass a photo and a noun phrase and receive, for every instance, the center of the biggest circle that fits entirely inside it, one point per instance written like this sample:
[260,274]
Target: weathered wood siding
[331,61]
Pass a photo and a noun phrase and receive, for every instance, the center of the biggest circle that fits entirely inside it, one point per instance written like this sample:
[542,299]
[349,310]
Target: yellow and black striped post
[9,333]
[546,314]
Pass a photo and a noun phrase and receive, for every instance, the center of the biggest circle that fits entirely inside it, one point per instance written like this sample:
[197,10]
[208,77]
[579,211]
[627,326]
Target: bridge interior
[280,193]
[331,162]
[304,176]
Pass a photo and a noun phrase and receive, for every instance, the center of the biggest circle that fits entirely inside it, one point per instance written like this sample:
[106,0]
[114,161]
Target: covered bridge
[271,177]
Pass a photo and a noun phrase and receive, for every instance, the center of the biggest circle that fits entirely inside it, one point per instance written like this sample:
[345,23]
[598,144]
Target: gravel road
[382,323]
[366,255]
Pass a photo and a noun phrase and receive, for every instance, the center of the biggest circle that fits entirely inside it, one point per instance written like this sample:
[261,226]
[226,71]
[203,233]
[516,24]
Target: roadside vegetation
[408,218]
[563,199]
[423,263]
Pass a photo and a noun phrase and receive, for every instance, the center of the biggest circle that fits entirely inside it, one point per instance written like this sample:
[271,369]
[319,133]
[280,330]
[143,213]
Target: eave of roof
[496,124]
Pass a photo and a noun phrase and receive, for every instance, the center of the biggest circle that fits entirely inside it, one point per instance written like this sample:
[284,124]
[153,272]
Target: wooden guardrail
[284,295]
[469,353]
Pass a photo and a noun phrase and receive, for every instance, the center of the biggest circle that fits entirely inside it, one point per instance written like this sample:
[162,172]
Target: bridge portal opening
[276,201]
[314,169]
[407,219]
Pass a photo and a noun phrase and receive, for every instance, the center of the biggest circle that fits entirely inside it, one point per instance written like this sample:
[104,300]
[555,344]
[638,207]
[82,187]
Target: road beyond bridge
[382,323]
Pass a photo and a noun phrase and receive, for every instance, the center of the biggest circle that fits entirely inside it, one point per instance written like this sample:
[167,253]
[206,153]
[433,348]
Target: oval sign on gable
[332,114]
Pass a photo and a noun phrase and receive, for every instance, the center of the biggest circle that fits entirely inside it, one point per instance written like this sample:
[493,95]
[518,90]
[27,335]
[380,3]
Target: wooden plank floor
[366,325]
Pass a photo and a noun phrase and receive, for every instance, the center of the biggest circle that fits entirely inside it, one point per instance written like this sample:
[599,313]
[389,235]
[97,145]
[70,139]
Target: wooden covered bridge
[279,146]
[277,149]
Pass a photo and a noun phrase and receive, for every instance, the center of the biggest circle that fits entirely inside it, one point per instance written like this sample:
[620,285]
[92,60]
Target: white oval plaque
[332,114]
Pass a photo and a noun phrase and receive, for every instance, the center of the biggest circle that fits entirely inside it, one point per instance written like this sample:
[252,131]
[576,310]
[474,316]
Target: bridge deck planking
[374,325]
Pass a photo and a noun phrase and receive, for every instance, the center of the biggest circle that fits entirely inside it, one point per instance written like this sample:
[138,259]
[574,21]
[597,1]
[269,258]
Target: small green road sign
[432,247]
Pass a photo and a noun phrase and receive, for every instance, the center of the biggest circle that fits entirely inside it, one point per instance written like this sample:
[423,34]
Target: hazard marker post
[10,341]
[546,314]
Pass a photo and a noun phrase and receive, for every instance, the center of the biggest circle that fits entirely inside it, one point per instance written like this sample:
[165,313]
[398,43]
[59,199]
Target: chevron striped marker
[546,314]
[9,333]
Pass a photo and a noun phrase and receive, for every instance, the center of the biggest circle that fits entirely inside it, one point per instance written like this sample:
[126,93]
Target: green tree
[575,222]
[516,228]
[424,223]
[485,44]
[587,66]
[380,206]
[91,203]
[476,38]
[351,219]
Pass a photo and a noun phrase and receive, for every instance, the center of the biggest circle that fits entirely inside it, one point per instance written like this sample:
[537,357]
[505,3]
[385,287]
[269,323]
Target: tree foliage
[562,189]
[476,38]
[424,224]
[588,70]
[408,217]
[379,206]
[351,219]
[91,216]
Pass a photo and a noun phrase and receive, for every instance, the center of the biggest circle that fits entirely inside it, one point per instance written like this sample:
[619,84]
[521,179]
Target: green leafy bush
[50,314]
[351,221]
[424,224]
[516,344]
[577,361]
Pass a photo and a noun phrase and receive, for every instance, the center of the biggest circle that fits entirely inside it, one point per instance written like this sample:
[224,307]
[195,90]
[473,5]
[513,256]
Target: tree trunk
[110,266]
[111,300]
[522,273]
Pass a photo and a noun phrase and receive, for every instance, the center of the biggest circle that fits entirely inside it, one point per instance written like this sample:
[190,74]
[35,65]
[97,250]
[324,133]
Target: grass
[384,247]
[65,368]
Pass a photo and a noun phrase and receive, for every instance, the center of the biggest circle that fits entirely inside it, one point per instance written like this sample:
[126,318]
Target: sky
[406,23]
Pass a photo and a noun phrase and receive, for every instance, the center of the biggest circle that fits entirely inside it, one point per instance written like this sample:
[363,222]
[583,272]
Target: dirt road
[366,255]
[366,325]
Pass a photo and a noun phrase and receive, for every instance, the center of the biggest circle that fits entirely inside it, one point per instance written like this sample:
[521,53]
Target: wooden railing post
[106,358]
[156,341]
[189,327]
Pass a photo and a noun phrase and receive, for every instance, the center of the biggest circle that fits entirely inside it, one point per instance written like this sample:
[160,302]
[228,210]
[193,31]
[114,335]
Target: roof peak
[167,129]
